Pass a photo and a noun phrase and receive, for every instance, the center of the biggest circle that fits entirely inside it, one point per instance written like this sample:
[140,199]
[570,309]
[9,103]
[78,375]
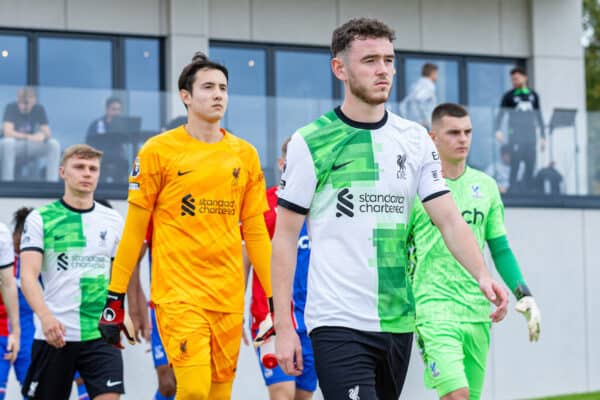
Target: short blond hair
[80,150]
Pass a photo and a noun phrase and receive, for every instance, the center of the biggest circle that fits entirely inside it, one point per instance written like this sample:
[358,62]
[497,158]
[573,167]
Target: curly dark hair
[19,219]
[359,28]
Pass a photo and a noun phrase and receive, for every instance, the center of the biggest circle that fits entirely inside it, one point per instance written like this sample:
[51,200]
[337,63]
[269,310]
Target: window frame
[55,189]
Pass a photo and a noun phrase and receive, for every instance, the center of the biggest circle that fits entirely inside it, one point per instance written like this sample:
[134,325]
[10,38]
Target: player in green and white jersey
[453,316]
[355,172]
[67,246]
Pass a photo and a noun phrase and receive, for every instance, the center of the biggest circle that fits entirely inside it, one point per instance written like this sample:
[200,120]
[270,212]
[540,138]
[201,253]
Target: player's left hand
[12,347]
[497,295]
[114,320]
[530,310]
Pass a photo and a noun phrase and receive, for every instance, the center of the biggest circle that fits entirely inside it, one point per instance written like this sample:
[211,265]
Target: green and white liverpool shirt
[444,290]
[357,182]
[78,246]
[7,255]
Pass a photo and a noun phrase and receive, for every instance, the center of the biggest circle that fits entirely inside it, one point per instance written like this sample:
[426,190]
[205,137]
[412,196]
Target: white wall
[557,253]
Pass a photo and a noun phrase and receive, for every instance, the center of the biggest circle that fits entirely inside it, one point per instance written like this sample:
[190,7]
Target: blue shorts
[23,358]
[307,381]
[158,351]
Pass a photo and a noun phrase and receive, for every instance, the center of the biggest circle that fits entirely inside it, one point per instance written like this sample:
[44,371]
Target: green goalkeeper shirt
[443,289]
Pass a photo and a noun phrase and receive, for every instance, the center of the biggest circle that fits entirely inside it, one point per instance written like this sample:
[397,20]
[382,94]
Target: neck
[358,110]
[79,201]
[209,132]
[453,169]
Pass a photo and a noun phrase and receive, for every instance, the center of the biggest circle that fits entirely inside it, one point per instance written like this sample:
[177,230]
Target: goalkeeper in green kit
[453,316]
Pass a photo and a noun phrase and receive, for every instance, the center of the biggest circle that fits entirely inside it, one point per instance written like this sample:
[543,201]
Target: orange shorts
[192,335]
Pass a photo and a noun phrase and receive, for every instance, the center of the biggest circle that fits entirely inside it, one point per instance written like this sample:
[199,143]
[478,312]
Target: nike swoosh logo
[180,173]
[336,167]
[110,383]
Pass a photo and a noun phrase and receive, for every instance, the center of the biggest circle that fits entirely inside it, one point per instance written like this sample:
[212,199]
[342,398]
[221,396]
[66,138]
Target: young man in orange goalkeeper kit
[197,182]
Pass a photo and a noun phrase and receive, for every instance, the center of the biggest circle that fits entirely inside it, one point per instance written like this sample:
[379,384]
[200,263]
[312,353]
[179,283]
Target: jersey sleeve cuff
[6,266]
[32,249]
[434,195]
[291,206]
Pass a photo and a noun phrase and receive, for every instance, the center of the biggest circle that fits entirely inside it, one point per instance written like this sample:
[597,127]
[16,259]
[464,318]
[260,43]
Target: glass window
[142,81]
[81,63]
[13,60]
[75,78]
[447,85]
[486,83]
[247,110]
[13,67]
[304,89]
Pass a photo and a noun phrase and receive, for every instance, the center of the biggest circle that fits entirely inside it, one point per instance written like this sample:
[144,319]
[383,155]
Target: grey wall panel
[403,16]
[114,16]
[461,26]
[289,21]
[230,19]
[591,246]
[189,17]
[515,21]
[548,245]
[557,28]
[43,14]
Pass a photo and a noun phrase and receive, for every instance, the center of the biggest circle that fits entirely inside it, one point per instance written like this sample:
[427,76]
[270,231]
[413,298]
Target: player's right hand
[54,331]
[113,321]
[288,351]
[12,347]
[497,295]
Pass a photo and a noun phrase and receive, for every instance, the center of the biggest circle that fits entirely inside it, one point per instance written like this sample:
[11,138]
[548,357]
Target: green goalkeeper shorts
[455,355]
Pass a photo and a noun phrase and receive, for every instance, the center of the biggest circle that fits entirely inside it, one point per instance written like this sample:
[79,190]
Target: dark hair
[428,68]
[19,219]
[199,61]
[448,110]
[518,70]
[112,99]
[284,146]
[359,28]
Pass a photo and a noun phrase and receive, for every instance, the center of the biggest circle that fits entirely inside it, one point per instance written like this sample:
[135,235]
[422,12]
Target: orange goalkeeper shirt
[198,193]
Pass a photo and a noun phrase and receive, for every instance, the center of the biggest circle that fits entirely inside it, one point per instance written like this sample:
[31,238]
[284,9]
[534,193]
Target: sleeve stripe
[32,249]
[434,195]
[292,207]
[6,266]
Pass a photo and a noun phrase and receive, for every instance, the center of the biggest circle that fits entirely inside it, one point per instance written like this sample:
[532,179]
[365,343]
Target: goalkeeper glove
[527,306]
[265,328]
[114,320]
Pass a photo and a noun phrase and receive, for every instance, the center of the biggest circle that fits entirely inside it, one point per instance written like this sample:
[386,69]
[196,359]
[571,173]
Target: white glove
[265,331]
[530,310]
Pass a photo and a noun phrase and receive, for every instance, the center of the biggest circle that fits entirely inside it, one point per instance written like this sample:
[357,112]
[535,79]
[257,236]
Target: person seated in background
[115,165]
[27,136]
[500,170]
[101,125]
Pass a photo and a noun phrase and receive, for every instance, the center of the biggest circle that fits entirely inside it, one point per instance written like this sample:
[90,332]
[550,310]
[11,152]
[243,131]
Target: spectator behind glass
[522,104]
[26,136]
[500,170]
[101,125]
[421,98]
[115,165]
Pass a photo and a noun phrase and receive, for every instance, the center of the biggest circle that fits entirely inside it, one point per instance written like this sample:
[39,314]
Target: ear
[432,135]
[338,68]
[185,96]
[61,171]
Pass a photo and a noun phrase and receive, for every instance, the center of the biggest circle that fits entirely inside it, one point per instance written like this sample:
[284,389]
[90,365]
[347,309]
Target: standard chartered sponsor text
[381,203]
[210,206]
[93,262]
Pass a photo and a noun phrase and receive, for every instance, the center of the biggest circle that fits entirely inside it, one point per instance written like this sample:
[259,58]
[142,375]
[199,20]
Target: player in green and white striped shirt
[453,316]
[68,245]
